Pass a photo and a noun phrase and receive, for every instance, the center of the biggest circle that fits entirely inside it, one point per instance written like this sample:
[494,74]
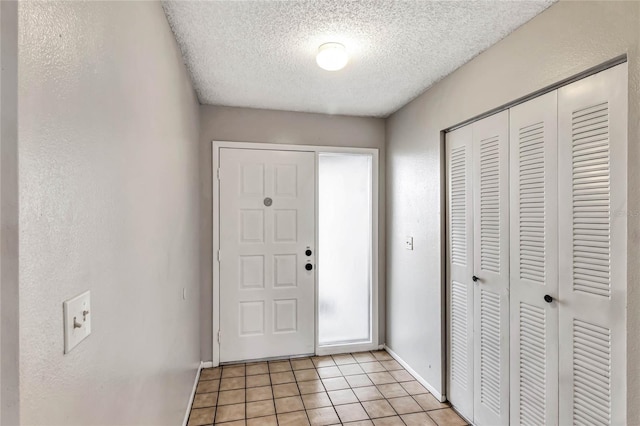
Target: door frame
[215,165]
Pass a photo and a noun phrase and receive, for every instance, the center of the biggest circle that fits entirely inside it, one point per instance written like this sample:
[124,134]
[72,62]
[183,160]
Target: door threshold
[273,358]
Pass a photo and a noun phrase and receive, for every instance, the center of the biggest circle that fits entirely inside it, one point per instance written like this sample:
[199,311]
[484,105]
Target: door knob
[308,252]
[308,266]
[548,298]
[475,279]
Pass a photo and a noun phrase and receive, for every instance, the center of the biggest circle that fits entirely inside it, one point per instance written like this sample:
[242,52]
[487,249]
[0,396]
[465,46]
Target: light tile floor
[364,388]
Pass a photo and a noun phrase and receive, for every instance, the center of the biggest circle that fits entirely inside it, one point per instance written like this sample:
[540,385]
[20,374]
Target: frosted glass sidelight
[345,240]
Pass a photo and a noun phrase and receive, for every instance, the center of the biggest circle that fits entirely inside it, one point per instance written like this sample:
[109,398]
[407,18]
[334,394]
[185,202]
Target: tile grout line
[306,413]
[332,404]
[245,395]
[273,396]
[315,368]
[215,413]
[350,388]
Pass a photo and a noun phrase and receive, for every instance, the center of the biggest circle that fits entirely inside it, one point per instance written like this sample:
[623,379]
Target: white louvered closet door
[592,174]
[534,261]
[491,266]
[460,271]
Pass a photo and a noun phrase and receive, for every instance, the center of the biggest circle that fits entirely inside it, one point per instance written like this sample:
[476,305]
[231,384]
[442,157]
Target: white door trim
[215,164]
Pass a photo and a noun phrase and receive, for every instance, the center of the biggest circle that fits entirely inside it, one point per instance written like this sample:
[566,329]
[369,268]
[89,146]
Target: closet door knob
[308,266]
[548,298]
[475,279]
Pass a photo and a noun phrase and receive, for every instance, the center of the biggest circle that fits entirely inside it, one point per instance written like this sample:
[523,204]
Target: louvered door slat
[534,377]
[592,244]
[590,149]
[459,334]
[491,265]
[490,204]
[459,284]
[458,209]
[490,351]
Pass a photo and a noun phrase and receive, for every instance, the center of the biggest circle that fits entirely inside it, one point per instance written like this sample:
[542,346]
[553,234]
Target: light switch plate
[409,243]
[77,320]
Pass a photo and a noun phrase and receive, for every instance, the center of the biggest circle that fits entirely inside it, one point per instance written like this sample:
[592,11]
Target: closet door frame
[621,254]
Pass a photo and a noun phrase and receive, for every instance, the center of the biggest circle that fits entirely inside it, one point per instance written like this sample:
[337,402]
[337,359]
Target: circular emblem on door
[268,201]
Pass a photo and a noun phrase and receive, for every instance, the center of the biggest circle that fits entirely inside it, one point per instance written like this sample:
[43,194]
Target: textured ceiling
[261,54]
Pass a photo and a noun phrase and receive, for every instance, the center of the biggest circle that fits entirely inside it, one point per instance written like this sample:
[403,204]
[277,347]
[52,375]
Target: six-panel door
[267,224]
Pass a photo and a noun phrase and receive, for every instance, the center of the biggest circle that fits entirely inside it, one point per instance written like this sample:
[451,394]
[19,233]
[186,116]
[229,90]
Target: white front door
[267,253]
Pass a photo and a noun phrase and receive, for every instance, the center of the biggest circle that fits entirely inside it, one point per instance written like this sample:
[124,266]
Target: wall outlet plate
[77,320]
[409,243]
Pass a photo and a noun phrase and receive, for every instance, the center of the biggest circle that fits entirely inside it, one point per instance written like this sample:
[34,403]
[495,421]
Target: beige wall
[566,39]
[109,202]
[295,128]
[9,332]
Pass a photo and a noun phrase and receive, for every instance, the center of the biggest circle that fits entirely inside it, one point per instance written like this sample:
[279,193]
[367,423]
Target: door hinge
[218,255]
[219,334]
[218,173]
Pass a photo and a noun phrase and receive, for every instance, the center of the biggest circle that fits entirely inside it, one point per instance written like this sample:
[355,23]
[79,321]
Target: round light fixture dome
[332,56]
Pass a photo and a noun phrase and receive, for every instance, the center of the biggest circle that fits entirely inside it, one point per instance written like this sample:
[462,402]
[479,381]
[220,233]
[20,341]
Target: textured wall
[9,289]
[566,39]
[256,125]
[109,202]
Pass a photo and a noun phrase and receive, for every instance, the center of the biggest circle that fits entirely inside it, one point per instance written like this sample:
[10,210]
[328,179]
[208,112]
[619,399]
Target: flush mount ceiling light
[332,56]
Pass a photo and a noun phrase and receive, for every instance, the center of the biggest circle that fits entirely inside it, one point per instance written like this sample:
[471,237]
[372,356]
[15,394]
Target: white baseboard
[193,394]
[207,364]
[411,371]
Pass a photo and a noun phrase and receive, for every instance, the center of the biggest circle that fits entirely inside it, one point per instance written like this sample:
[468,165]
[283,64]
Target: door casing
[319,350]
